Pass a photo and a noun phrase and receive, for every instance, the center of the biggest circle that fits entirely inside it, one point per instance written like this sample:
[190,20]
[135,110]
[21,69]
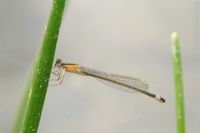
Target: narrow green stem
[31,106]
[178,83]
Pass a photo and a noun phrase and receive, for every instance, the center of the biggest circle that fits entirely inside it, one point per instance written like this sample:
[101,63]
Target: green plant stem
[29,114]
[178,83]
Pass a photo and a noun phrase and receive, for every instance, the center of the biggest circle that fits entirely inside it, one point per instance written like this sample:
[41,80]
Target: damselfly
[121,82]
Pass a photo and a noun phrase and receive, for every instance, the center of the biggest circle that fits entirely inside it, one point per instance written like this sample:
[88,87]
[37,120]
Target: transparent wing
[117,81]
[126,83]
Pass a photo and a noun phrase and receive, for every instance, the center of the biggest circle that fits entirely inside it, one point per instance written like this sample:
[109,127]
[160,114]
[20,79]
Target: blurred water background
[130,37]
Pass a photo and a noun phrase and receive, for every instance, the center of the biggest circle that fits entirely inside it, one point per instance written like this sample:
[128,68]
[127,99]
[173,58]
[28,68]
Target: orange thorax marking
[74,68]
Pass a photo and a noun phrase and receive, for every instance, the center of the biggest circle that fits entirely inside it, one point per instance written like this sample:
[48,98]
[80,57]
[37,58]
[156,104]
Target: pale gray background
[130,37]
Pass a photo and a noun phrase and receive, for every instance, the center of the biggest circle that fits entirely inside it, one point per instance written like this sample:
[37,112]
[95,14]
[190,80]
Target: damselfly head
[58,62]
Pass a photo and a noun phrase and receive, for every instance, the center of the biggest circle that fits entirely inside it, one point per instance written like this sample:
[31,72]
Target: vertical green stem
[30,110]
[178,83]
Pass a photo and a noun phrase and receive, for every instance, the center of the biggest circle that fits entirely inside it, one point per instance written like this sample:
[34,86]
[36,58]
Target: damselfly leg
[57,76]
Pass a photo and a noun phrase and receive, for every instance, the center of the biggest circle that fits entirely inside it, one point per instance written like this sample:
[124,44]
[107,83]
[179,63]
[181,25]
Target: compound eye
[58,62]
